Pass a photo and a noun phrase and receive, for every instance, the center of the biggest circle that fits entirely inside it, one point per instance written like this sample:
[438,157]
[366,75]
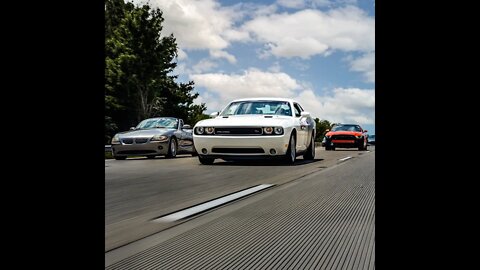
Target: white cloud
[365,64]
[350,105]
[223,54]
[310,32]
[200,24]
[291,3]
[203,65]
[182,55]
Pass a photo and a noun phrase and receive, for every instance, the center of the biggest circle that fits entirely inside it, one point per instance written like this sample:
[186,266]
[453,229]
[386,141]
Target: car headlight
[209,130]
[159,138]
[268,130]
[116,139]
[358,137]
[199,130]
[278,130]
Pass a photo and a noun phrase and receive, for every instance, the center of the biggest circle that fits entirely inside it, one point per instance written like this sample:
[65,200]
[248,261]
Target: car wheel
[120,158]
[310,154]
[292,151]
[194,153]
[172,148]
[328,148]
[206,160]
[150,157]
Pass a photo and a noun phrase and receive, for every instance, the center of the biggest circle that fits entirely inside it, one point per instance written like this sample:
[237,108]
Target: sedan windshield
[158,123]
[347,128]
[258,107]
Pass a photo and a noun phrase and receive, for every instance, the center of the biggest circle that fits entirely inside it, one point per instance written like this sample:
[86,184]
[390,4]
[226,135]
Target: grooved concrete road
[320,214]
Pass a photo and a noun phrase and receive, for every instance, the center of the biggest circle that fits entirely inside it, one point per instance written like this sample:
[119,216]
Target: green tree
[321,127]
[138,69]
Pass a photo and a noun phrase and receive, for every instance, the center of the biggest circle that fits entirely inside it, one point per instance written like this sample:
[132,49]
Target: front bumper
[149,148]
[344,143]
[241,146]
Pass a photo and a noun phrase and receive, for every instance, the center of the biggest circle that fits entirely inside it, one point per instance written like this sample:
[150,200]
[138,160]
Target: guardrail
[108,148]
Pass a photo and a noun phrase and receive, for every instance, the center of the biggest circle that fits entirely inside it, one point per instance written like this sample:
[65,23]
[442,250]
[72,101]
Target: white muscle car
[256,128]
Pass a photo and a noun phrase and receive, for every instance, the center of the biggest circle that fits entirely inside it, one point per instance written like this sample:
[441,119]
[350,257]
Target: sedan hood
[141,133]
[245,121]
[355,133]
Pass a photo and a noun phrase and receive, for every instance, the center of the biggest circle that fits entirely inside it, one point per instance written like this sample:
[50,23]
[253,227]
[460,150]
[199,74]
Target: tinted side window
[297,109]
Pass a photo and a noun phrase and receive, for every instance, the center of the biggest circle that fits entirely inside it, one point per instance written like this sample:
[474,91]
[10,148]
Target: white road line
[345,158]
[211,204]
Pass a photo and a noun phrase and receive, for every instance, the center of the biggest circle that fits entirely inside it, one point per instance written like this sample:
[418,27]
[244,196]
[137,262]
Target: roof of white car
[266,98]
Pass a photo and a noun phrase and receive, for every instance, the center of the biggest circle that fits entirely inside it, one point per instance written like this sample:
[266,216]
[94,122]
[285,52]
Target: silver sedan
[152,137]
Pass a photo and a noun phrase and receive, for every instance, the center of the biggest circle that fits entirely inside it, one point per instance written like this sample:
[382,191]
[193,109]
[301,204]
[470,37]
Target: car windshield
[258,107]
[347,128]
[158,123]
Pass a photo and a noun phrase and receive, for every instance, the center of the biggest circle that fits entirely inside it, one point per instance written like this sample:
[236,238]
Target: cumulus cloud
[366,65]
[200,24]
[310,32]
[352,105]
[292,3]
[223,54]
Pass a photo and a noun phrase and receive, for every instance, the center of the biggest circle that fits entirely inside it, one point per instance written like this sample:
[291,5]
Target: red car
[346,136]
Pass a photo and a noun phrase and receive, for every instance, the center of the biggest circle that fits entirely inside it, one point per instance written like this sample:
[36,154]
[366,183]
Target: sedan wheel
[172,148]
[205,160]
[310,154]
[292,151]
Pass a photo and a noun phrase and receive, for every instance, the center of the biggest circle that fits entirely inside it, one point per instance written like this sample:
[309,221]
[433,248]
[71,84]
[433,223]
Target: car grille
[141,140]
[238,131]
[127,141]
[343,137]
[238,150]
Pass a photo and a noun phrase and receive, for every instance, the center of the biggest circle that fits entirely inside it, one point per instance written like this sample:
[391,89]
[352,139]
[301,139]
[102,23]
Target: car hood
[355,133]
[245,121]
[139,133]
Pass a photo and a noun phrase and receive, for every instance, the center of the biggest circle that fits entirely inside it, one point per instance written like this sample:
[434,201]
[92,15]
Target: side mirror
[305,114]
[132,128]
[365,131]
[214,114]
[186,126]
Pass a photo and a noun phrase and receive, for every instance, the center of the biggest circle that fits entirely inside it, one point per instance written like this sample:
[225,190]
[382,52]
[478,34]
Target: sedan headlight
[199,130]
[159,138]
[116,139]
[358,137]
[278,130]
[268,130]
[209,130]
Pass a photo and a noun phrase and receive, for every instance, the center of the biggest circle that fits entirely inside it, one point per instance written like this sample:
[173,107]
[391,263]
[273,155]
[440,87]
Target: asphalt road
[140,190]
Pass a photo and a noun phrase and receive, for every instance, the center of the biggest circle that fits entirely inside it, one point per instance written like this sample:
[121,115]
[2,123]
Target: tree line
[139,65]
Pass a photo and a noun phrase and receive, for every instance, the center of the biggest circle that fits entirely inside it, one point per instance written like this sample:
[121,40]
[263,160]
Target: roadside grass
[108,155]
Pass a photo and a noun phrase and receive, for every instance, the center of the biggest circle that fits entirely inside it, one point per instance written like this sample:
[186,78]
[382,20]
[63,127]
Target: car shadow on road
[298,162]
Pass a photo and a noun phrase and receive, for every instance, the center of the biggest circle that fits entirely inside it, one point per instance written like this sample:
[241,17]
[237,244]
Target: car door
[185,139]
[302,127]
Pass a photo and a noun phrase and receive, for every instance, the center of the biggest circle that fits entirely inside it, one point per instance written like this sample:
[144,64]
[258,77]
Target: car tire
[291,154]
[120,158]
[172,148]
[327,148]
[194,153]
[206,160]
[310,154]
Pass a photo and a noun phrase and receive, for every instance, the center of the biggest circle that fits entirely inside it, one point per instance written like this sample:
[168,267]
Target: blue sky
[319,52]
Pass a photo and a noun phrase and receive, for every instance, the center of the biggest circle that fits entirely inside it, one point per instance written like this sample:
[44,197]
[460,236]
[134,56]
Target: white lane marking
[345,158]
[211,204]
